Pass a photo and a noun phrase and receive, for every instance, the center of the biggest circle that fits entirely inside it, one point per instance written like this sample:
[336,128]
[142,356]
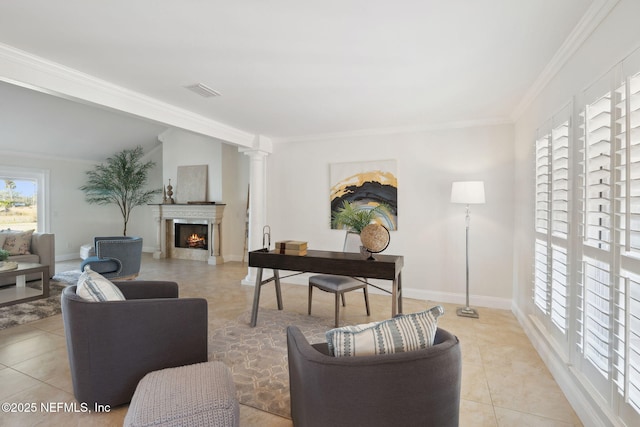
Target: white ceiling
[288,68]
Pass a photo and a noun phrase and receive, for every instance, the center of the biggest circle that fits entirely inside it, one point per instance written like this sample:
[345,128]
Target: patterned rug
[257,356]
[26,312]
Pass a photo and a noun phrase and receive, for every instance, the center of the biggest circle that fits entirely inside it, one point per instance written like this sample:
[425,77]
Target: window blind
[586,286]
[560,180]
[552,222]
[628,150]
[559,289]
[542,184]
[626,351]
[541,279]
[596,314]
[596,140]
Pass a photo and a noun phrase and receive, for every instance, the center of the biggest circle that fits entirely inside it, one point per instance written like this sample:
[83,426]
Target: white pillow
[94,287]
[405,332]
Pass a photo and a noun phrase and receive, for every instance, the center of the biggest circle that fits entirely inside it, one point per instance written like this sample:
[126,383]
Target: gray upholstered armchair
[116,257]
[416,388]
[112,345]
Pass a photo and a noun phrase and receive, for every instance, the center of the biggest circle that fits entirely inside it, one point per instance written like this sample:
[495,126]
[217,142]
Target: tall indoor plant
[121,180]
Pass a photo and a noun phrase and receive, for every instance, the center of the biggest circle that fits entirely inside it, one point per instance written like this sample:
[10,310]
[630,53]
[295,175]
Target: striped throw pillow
[403,333]
[94,287]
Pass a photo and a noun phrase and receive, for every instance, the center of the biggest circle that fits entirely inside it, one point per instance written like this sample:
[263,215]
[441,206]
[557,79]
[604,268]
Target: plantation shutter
[596,134]
[586,285]
[596,314]
[550,291]
[626,339]
[560,180]
[543,184]
[629,169]
[541,293]
[541,276]
[595,291]
[559,288]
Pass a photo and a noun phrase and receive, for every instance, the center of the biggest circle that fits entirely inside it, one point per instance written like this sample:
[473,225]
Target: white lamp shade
[467,192]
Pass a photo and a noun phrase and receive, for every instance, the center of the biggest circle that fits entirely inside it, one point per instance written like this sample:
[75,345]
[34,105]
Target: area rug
[19,314]
[257,356]
[70,277]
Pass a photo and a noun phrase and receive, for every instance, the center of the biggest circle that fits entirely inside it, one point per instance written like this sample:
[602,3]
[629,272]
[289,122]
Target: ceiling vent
[203,90]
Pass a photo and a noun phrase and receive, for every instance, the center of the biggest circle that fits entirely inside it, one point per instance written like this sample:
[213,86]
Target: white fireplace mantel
[164,215]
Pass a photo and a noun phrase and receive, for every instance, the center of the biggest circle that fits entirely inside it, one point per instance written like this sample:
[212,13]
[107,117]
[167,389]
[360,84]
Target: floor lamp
[467,192]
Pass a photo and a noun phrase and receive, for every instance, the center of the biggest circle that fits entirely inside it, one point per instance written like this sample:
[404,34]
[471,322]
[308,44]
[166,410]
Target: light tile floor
[504,381]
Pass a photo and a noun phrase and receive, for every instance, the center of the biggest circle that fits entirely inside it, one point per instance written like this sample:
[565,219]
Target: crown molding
[38,156]
[496,121]
[596,13]
[24,69]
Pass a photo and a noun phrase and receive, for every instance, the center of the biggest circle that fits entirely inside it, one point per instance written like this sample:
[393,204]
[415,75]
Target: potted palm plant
[353,217]
[120,181]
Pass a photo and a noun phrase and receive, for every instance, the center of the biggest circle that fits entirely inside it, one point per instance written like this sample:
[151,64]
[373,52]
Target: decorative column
[257,204]
[158,251]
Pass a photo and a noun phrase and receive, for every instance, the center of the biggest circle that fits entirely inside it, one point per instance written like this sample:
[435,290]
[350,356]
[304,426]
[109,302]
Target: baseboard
[419,294]
[68,257]
[457,298]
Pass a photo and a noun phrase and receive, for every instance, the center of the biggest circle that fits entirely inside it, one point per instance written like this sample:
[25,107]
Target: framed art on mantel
[367,185]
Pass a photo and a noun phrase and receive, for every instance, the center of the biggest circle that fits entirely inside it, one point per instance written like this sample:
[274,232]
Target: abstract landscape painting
[367,185]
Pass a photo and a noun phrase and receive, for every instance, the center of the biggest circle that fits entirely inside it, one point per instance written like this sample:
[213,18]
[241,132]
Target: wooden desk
[386,267]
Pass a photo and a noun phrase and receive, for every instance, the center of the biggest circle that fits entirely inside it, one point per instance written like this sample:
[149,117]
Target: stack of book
[291,247]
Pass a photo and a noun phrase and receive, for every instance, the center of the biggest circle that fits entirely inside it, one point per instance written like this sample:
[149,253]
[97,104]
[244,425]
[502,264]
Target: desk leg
[276,275]
[396,296]
[400,293]
[256,299]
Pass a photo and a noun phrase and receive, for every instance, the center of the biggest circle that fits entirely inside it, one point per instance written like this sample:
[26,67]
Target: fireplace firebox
[190,236]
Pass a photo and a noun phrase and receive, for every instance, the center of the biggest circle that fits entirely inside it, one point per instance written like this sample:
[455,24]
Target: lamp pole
[467,311]
[467,192]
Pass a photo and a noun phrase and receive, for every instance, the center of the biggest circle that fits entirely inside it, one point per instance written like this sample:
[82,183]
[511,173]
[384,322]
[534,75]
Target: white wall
[182,148]
[430,232]
[72,219]
[235,167]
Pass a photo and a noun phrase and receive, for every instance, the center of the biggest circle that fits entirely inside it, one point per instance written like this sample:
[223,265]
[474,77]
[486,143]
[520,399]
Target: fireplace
[190,236]
[189,231]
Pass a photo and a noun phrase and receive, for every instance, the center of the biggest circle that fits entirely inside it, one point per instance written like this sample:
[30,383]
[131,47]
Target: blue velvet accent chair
[116,257]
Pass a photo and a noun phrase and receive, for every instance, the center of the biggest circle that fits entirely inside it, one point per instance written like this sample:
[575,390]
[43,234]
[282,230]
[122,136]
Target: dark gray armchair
[116,257]
[417,388]
[112,345]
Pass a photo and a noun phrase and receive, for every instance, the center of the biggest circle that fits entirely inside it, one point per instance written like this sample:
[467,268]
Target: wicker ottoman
[194,395]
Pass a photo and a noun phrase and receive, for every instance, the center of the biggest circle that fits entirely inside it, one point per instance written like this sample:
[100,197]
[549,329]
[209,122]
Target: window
[586,285]
[552,223]
[22,199]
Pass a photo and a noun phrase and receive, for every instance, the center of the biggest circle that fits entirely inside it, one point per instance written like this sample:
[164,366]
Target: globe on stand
[375,238]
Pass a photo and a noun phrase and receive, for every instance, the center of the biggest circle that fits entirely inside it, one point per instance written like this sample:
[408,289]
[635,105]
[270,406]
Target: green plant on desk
[4,255]
[354,218]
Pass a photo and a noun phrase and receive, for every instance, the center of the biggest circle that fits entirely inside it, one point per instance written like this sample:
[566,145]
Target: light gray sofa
[42,252]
